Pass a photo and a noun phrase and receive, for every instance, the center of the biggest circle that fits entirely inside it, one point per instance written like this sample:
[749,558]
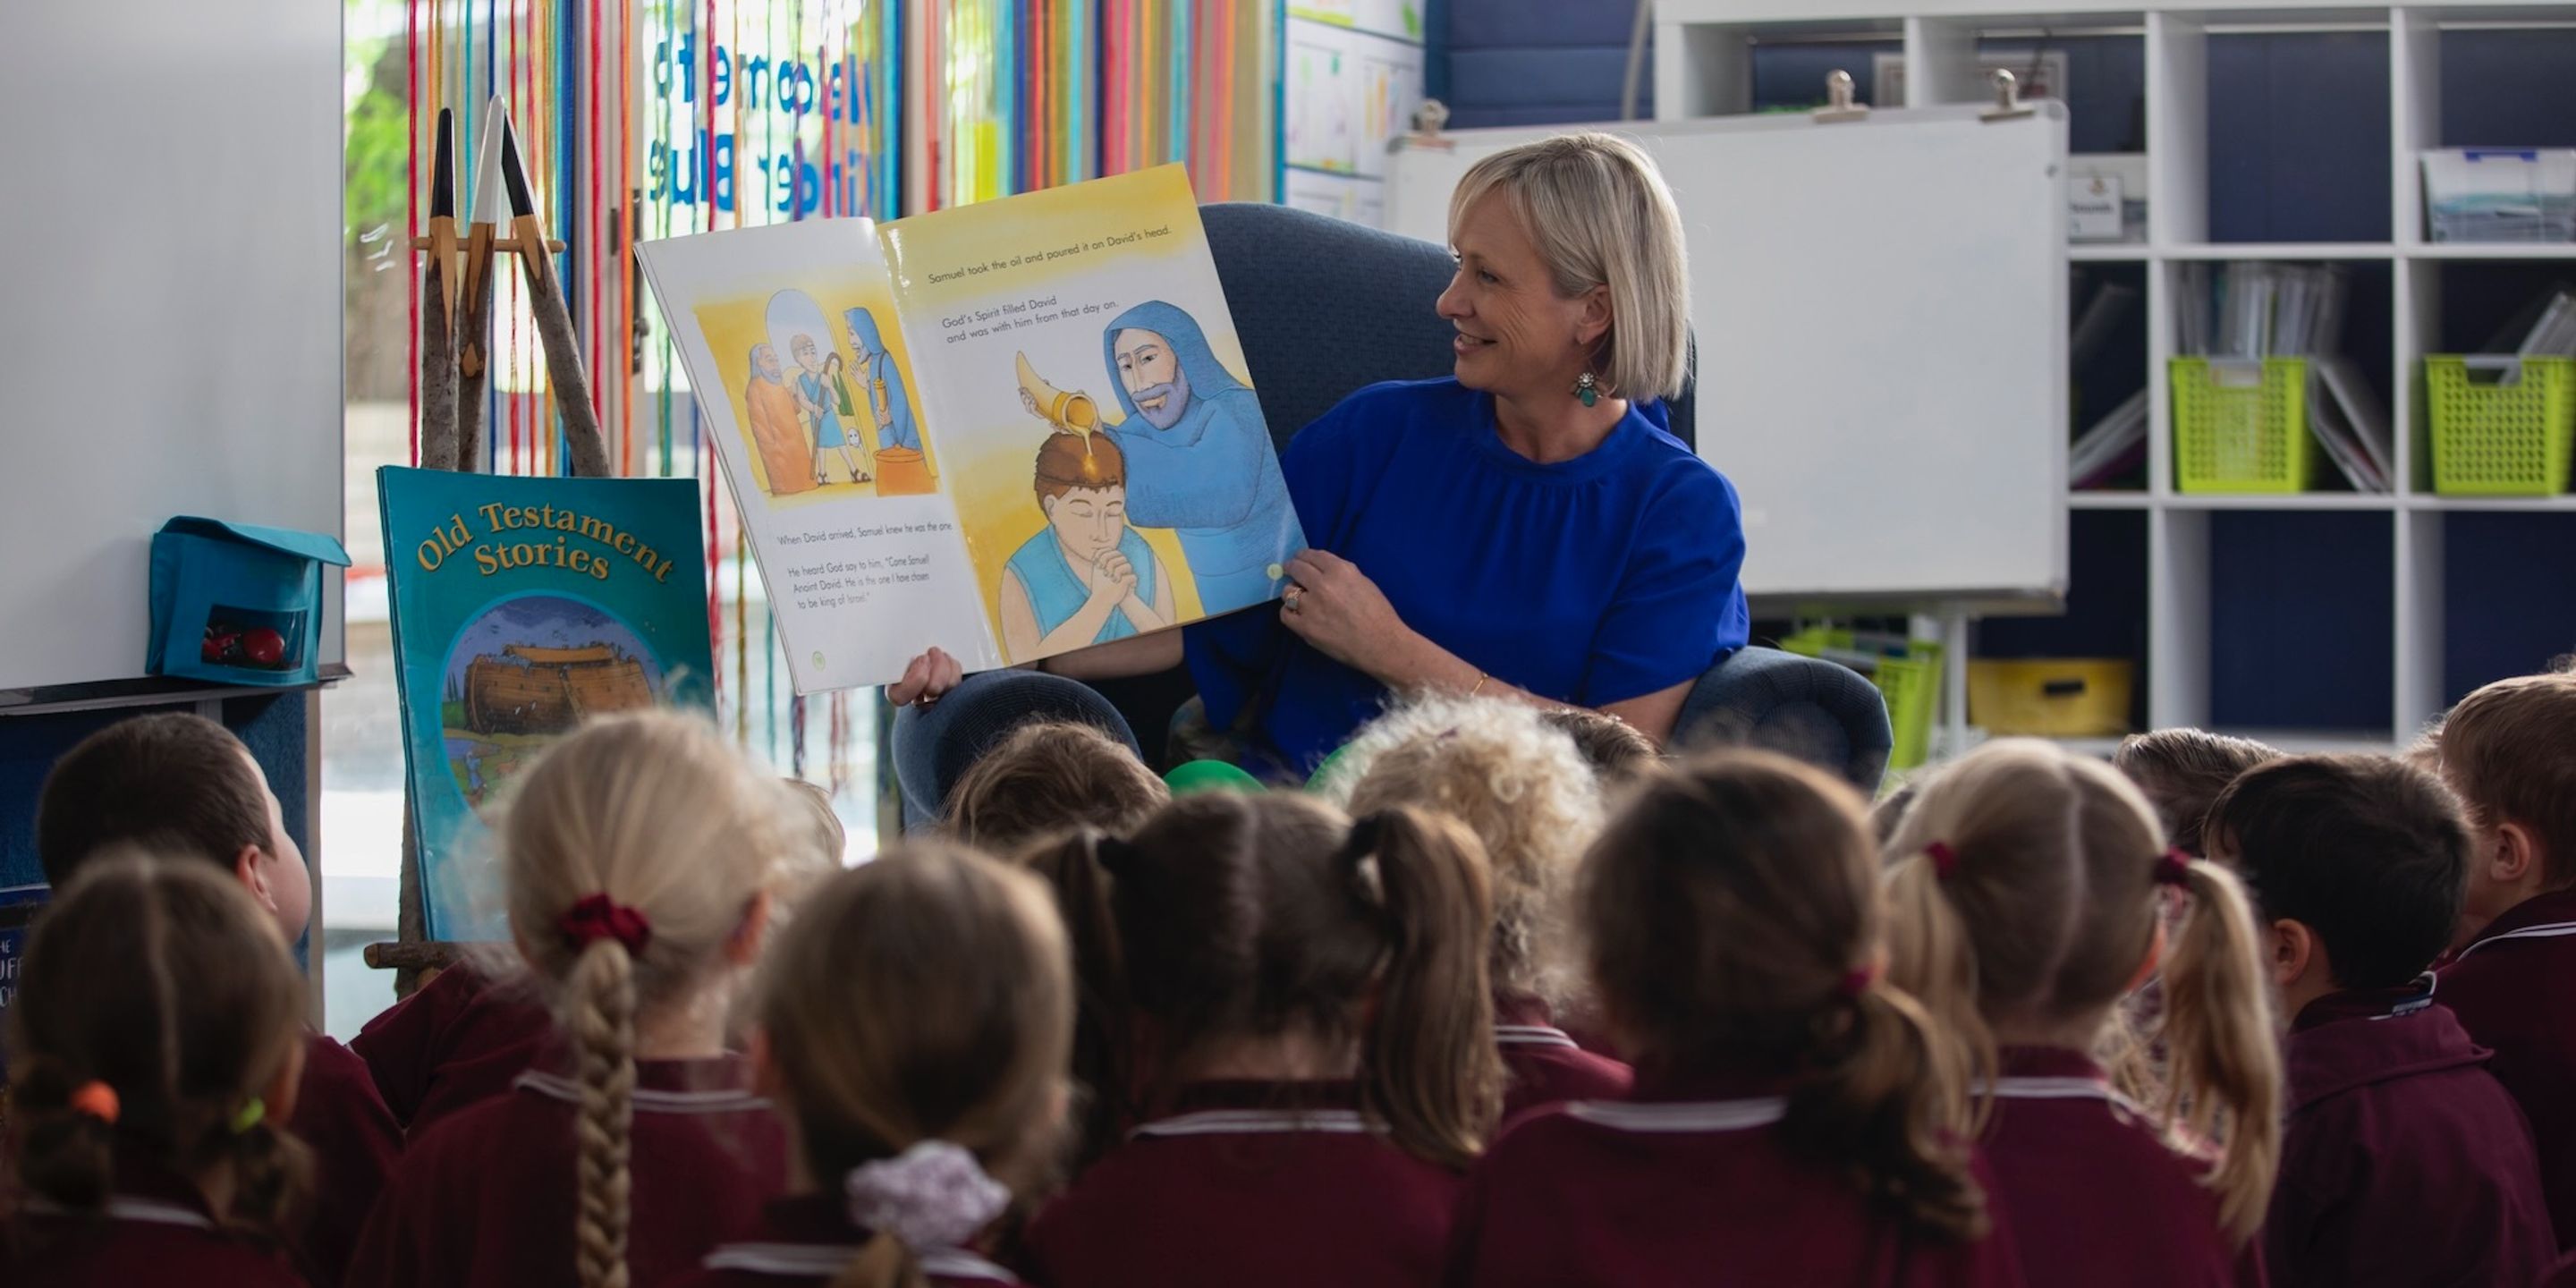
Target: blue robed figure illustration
[1197,452]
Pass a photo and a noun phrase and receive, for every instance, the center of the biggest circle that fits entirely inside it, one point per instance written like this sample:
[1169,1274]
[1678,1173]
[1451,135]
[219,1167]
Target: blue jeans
[935,745]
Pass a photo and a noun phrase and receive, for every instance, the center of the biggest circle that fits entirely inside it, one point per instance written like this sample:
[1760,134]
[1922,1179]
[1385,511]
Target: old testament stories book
[1006,430]
[520,606]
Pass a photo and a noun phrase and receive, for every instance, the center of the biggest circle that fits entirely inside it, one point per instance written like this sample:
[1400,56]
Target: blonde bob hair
[1597,209]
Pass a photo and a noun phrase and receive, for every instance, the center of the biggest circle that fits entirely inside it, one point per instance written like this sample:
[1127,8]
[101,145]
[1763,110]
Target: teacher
[1524,528]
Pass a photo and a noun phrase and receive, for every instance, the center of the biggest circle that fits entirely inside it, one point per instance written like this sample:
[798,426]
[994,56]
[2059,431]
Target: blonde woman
[1524,528]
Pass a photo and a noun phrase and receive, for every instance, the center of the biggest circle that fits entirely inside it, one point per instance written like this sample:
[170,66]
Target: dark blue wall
[271,724]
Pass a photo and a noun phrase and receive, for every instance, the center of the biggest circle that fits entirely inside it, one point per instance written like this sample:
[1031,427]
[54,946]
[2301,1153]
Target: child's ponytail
[1890,1096]
[1076,871]
[65,1156]
[600,1011]
[1432,1069]
[1933,958]
[2224,1077]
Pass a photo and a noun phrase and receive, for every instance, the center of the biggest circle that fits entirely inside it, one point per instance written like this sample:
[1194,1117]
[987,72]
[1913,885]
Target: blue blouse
[1591,581]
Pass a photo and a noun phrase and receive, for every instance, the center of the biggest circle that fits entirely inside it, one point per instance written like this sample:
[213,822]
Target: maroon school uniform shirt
[1250,1184]
[2510,987]
[2096,1195]
[157,1230]
[2402,1161]
[354,1140]
[490,1196]
[459,1039]
[809,1239]
[1687,1185]
[1546,1065]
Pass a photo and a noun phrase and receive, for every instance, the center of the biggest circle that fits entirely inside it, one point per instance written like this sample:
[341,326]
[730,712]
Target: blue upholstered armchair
[1324,307]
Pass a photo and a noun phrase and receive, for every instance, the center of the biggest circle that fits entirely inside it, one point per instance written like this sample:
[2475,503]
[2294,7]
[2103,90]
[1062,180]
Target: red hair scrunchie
[2173,868]
[596,917]
[1944,859]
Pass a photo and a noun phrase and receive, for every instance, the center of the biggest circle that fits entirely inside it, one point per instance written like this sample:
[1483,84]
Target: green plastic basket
[1910,682]
[2241,427]
[2501,426]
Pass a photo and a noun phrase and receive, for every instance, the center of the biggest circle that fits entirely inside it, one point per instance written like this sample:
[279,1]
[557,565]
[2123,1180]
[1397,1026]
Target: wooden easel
[455,373]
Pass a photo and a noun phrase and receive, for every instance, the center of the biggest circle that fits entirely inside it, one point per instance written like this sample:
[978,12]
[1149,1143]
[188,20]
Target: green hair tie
[253,1112]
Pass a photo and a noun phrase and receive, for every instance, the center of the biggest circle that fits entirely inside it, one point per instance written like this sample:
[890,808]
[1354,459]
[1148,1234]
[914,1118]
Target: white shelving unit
[1704,67]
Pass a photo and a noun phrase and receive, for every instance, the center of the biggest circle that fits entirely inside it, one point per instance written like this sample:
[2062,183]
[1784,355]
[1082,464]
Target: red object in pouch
[264,647]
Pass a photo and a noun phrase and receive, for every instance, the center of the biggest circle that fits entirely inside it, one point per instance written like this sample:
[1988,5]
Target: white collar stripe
[155,1213]
[808,1259]
[2552,930]
[1531,1035]
[722,1101]
[1249,1122]
[1680,1116]
[2059,1089]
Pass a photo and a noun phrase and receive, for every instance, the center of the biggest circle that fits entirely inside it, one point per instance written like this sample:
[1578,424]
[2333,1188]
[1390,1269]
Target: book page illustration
[805,384]
[1111,467]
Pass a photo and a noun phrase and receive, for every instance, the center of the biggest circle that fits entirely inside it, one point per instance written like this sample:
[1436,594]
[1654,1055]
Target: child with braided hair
[639,856]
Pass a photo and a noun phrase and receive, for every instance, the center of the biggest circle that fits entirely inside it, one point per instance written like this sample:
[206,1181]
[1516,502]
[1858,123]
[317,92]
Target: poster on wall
[1005,430]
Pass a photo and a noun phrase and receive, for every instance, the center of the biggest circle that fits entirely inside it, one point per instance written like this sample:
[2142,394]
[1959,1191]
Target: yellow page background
[1087,248]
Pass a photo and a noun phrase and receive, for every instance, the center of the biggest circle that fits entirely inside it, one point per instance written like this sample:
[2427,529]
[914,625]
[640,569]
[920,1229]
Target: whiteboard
[170,237]
[1881,315]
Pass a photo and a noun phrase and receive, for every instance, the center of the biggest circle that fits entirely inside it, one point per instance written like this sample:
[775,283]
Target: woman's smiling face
[1515,334]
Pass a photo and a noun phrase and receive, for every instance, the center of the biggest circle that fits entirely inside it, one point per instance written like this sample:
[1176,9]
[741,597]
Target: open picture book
[1007,430]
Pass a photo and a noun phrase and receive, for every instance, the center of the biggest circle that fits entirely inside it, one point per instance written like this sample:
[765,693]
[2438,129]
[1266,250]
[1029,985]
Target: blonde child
[1047,778]
[1522,787]
[154,1057]
[923,1088]
[1796,1118]
[1291,1010]
[639,855]
[2027,885]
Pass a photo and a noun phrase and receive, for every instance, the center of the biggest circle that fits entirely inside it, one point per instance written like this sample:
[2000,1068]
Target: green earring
[1587,389]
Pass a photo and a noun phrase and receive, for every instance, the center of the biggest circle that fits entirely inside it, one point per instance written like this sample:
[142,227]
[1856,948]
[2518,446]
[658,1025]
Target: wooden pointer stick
[437,311]
[554,321]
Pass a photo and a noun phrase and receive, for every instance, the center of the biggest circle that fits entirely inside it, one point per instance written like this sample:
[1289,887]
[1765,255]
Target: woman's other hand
[1334,606]
[926,679]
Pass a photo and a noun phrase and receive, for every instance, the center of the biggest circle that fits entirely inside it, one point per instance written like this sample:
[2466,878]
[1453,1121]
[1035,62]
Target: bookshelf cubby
[2286,131]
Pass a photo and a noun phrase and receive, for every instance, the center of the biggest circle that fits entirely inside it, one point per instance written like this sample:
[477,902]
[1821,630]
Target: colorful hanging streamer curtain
[655,118]
[1014,95]
[644,119]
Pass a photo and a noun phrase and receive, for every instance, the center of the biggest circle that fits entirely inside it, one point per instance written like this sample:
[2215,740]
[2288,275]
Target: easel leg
[1954,684]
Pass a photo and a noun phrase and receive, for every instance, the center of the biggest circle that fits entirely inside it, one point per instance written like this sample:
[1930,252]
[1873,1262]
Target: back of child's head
[2369,853]
[917,1016]
[1232,917]
[2509,750]
[1618,751]
[1049,778]
[177,784]
[159,1012]
[1734,921]
[1525,792]
[2025,882]
[2182,771]
[638,854]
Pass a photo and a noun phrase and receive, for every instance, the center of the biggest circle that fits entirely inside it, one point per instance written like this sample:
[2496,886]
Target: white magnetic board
[1881,315]
[170,339]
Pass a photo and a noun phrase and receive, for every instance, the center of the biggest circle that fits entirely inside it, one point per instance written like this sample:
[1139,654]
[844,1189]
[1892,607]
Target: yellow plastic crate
[2077,697]
[2242,426]
[1909,681]
[2500,426]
